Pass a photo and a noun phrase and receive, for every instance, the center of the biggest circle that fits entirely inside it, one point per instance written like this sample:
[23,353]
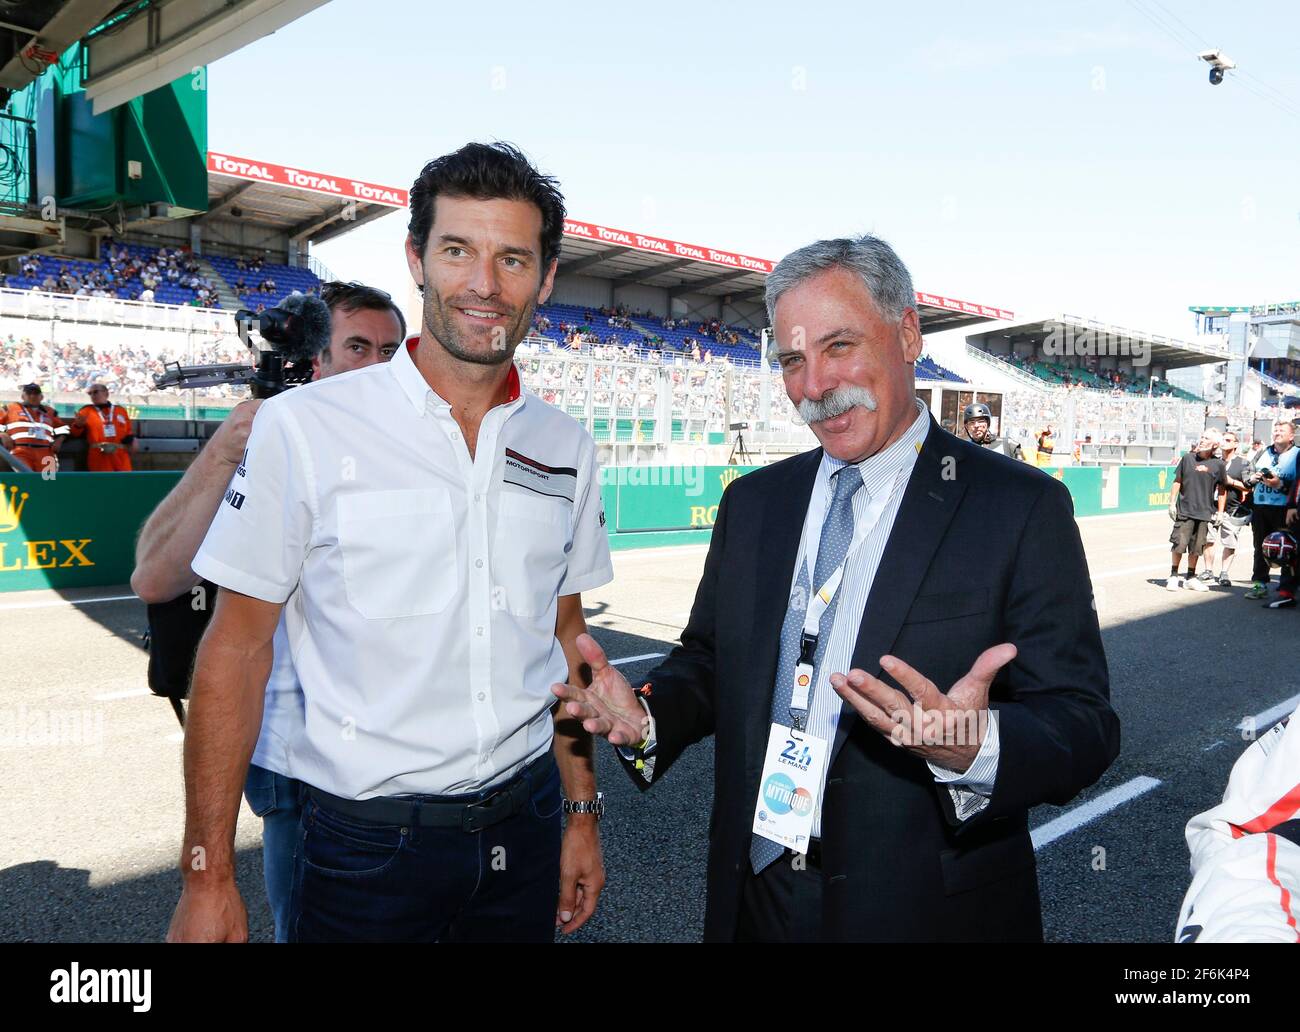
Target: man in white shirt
[433,585]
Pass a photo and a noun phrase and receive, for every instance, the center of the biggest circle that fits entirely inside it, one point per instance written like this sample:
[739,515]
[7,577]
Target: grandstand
[1066,351]
[1264,341]
[652,343]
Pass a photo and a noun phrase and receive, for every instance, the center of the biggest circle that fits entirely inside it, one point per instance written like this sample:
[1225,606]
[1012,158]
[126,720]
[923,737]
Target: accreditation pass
[788,789]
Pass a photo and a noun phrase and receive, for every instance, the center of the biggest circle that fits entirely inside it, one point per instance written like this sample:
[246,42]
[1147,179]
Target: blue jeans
[278,801]
[358,881]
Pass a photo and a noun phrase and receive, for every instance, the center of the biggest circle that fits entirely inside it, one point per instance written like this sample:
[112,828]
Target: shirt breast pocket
[530,557]
[399,552]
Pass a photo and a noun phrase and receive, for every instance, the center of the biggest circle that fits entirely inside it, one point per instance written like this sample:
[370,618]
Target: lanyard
[37,422]
[821,600]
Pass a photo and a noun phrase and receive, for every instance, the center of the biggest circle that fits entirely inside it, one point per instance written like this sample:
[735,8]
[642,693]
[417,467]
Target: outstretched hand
[946,730]
[608,708]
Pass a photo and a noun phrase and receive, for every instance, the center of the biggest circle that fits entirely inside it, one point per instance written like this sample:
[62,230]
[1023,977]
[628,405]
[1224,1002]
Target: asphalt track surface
[93,815]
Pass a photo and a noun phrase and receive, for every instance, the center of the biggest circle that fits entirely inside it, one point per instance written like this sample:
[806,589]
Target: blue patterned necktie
[836,536]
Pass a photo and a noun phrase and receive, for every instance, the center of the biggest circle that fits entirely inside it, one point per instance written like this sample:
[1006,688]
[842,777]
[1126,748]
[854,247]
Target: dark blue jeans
[277,800]
[356,881]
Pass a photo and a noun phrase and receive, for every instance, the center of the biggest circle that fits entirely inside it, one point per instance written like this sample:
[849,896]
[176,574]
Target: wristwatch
[596,806]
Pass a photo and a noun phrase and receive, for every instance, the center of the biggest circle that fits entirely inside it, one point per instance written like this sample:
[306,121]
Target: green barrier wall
[662,498]
[1145,487]
[1084,483]
[79,529]
[74,530]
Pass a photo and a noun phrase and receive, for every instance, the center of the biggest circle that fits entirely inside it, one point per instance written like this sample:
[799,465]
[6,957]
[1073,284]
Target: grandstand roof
[1164,351]
[1271,308]
[311,206]
[628,257]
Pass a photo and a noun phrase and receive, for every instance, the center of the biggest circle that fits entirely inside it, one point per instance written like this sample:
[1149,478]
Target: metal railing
[115,311]
[319,269]
[1009,368]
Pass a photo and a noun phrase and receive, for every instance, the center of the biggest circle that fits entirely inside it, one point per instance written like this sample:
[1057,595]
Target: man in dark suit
[948,581]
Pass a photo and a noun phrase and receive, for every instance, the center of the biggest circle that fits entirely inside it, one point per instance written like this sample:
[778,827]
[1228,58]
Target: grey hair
[883,272]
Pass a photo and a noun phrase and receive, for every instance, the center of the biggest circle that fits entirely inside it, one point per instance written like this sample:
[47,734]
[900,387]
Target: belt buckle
[470,819]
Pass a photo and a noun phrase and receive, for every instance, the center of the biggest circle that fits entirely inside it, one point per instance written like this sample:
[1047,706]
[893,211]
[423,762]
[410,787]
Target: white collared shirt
[422,629]
[888,471]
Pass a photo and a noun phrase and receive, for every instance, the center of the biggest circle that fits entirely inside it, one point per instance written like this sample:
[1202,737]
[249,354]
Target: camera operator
[1236,512]
[1276,469]
[366,327]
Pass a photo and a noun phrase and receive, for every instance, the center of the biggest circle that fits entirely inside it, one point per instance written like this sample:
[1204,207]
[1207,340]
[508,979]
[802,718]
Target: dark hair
[484,172]
[353,296]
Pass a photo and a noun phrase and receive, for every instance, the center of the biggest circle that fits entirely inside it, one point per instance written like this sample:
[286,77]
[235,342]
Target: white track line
[69,602]
[1048,833]
[1270,715]
[635,659]
[129,693]
[1130,571]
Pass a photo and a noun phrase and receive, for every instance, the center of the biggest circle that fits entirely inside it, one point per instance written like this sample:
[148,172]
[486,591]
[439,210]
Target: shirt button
[479,631]
[481,696]
[455,436]
[478,498]
[478,564]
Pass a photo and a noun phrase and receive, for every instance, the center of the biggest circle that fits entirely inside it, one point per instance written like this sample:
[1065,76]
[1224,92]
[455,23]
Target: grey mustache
[836,403]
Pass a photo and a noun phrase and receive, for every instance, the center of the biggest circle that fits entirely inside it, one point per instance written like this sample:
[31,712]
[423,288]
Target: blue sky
[1040,157]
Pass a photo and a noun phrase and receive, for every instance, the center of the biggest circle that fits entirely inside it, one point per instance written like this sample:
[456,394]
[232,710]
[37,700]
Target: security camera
[1219,64]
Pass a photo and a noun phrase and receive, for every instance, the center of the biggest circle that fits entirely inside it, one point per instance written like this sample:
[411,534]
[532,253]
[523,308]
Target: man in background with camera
[366,327]
[1276,465]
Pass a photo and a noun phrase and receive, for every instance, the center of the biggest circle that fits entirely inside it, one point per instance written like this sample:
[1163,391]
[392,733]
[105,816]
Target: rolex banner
[75,529]
[659,498]
[79,529]
[1145,487]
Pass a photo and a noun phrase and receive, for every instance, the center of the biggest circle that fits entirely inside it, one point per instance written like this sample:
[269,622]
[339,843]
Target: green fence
[79,529]
[1084,483]
[74,530]
[639,499]
[1144,487]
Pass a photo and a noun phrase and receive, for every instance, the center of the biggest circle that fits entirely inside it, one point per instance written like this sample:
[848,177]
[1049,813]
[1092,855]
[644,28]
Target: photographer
[1276,466]
[366,327]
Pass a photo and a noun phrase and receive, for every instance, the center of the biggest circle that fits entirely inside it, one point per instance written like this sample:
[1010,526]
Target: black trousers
[1266,519]
[782,904]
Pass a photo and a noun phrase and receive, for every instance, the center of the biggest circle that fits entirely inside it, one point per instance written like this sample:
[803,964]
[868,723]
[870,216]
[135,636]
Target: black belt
[31,444]
[813,858]
[468,814]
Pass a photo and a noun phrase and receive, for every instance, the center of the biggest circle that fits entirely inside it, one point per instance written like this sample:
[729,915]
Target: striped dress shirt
[888,470]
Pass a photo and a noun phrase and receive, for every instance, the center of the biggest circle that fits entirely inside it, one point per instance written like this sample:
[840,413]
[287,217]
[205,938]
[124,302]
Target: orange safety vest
[31,426]
[104,427]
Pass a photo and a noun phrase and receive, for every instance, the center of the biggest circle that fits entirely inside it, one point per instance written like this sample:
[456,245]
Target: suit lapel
[932,496]
[780,529]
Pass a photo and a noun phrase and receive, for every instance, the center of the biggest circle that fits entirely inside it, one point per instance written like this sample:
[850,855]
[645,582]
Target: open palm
[609,707]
